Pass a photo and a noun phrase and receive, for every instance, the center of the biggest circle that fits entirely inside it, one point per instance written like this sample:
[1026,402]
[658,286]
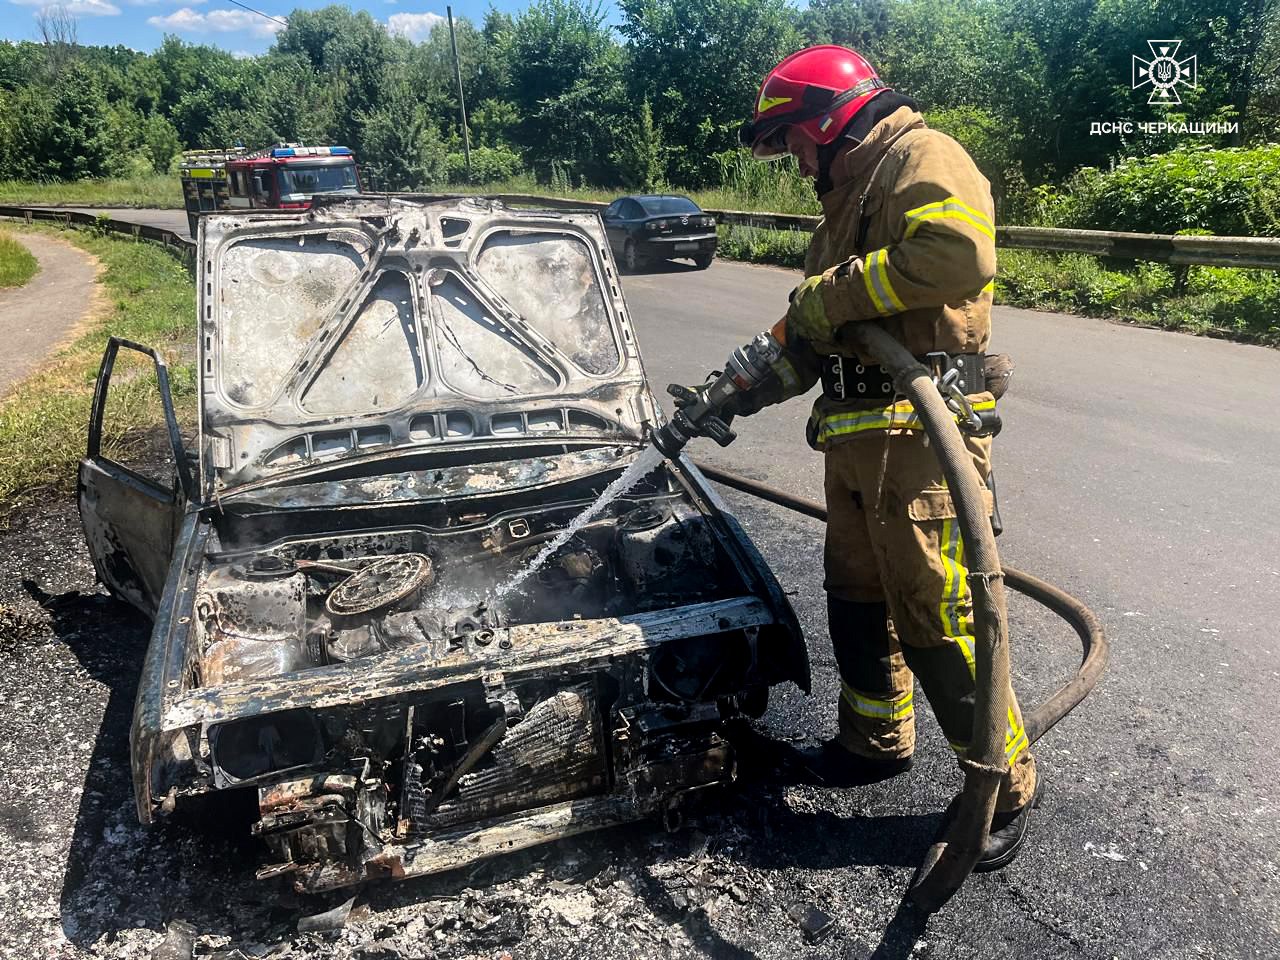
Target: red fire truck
[281,177]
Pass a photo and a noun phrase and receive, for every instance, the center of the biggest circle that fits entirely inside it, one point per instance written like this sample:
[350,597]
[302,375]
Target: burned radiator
[556,752]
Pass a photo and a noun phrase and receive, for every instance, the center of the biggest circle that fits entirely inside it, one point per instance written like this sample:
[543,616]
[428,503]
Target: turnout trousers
[898,601]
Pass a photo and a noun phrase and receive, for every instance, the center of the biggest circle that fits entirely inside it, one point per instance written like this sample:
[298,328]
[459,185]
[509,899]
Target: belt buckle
[837,367]
[939,362]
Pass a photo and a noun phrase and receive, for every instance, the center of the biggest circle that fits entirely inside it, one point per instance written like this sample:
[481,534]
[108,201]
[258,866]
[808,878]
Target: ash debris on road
[751,874]
[80,877]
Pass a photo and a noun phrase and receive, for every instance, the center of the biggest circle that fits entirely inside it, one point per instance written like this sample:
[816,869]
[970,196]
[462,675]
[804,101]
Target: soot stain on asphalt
[88,880]
[80,877]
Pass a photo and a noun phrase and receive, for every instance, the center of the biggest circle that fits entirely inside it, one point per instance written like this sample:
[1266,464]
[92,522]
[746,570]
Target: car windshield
[327,178]
[666,206]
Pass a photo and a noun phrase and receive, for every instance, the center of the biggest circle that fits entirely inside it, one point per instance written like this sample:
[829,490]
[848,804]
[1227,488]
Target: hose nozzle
[708,409]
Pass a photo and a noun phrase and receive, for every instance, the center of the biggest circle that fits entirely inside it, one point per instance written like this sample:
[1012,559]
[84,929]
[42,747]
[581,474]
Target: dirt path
[38,316]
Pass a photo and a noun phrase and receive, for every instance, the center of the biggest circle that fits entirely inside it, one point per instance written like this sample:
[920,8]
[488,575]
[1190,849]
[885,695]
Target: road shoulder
[46,312]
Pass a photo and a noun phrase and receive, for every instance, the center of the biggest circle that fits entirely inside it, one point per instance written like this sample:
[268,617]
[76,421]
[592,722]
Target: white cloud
[79,8]
[187,20]
[156,3]
[413,26]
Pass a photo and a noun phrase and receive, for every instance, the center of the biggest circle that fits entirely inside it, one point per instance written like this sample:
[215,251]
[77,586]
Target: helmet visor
[766,141]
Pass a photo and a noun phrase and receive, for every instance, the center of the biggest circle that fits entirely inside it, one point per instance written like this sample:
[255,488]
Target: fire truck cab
[281,177]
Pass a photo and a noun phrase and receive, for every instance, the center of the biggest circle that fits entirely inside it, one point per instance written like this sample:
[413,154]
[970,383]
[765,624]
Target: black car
[644,229]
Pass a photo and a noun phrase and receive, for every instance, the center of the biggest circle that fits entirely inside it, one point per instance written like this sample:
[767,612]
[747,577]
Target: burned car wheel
[387,612]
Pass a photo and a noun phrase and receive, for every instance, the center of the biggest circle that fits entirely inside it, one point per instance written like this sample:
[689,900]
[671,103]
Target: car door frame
[130,521]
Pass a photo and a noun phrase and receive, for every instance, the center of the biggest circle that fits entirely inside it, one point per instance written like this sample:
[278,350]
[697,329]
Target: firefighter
[906,240]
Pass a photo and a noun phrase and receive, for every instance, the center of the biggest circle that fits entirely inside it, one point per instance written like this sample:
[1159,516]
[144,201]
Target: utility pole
[462,102]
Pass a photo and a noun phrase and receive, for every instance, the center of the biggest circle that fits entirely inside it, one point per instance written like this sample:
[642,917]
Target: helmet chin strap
[855,131]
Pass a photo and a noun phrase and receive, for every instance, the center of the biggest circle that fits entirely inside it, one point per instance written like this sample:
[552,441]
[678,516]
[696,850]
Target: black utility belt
[847,378]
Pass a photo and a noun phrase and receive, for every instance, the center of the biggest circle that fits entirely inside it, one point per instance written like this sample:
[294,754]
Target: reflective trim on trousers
[956,626]
[897,709]
[1015,740]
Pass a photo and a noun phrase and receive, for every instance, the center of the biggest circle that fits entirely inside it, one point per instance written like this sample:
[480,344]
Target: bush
[488,165]
[785,248]
[1225,302]
[1229,192]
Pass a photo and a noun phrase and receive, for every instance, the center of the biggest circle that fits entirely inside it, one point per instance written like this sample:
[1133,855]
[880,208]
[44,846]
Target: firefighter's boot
[876,718]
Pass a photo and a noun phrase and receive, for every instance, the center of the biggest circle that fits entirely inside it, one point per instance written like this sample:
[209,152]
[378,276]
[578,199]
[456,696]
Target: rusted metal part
[383,583]
[327,628]
[535,648]
[361,327]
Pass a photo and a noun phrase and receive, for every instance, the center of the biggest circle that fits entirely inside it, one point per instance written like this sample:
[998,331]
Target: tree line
[562,92]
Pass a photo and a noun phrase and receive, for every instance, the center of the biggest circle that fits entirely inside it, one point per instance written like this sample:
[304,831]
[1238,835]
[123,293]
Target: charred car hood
[364,326]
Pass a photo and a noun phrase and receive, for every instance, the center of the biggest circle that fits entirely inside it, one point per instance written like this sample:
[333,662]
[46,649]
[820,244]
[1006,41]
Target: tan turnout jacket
[909,241]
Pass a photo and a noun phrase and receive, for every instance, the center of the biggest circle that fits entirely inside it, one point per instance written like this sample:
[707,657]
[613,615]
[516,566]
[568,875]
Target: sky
[142,24]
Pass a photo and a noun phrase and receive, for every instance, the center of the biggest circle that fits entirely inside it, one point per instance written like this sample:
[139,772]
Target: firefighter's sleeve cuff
[859,289]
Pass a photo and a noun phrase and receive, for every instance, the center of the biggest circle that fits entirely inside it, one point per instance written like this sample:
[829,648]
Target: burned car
[401,406]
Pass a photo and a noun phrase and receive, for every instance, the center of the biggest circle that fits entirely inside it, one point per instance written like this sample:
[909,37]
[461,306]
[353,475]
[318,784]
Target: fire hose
[950,860]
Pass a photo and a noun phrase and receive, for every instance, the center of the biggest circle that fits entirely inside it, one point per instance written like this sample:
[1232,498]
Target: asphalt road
[1135,470]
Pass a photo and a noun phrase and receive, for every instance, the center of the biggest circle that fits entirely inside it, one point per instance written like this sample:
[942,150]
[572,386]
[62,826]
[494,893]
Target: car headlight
[244,749]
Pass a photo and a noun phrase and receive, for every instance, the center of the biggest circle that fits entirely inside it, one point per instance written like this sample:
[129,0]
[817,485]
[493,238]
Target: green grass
[156,190]
[783,248]
[786,197]
[1222,302]
[150,298]
[17,265]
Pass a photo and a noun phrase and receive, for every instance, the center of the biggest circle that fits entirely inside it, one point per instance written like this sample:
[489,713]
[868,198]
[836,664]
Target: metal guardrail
[1256,252]
[1261,253]
[184,247]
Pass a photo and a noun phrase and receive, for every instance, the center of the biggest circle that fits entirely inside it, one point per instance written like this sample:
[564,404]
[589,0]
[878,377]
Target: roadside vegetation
[17,265]
[147,190]
[150,298]
[567,98]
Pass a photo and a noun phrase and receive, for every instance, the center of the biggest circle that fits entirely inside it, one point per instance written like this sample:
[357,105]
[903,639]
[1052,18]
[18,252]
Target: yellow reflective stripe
[899,416]
[875,273]
[979,225]
[786,373]
[955,592]
[877,709]
[1015,738]
[952,208]
[868,271]
[989,288]
[882,266]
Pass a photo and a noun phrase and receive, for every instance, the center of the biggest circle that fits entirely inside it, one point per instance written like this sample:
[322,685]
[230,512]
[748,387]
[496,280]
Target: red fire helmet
[818,89]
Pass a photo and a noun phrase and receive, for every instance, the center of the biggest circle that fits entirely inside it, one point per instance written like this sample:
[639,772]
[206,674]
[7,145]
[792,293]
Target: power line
[283,23]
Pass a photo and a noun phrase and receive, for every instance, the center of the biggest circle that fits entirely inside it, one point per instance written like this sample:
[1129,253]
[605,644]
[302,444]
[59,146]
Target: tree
[161,140]
[641,157]
[861,24]
[700,65]
[58,33]
[59,133]
[565,79]
[347,47]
